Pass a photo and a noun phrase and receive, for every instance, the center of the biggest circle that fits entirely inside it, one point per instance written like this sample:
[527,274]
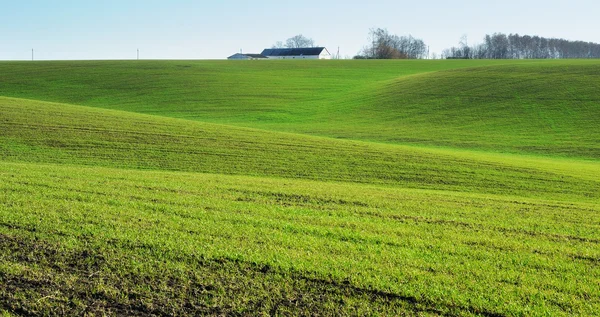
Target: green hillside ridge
[538,108]
[541,107]
[58,133]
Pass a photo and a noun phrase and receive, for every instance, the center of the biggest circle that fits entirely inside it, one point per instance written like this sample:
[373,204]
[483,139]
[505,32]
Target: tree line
[515,46]
[384,45]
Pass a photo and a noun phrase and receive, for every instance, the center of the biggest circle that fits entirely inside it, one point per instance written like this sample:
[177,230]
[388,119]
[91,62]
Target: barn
[240,56]
[297,53]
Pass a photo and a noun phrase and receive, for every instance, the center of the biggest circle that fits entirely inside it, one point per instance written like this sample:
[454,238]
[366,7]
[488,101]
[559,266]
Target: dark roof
[248,55]
[308,51]
[256,55]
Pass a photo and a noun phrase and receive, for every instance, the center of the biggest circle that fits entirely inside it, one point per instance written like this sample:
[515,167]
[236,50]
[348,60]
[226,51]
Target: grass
[57,133]
[462,188]
[440,251]
[537,107]
[526,108]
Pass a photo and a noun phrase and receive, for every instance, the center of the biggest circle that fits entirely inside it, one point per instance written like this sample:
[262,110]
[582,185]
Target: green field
[462,188]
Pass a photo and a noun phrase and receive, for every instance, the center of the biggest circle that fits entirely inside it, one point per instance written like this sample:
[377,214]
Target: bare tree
[278,44]
[384,45]
[298,41]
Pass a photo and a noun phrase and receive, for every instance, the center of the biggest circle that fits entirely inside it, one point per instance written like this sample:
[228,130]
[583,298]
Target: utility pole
[32,54]
[138,54]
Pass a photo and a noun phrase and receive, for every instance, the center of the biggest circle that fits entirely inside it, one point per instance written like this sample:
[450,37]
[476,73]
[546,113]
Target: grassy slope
[277,243]
[261,244]
[321,223]
[58,133]
[542,107]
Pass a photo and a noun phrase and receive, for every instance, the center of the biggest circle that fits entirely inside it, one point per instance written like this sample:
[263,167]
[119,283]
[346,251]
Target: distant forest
[515,46]
[383,45]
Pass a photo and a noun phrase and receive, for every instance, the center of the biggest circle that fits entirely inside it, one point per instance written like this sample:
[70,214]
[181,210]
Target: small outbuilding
[240,56]
[297,53]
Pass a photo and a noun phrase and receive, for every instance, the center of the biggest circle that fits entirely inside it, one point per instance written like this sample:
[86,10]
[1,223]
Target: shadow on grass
[40,278]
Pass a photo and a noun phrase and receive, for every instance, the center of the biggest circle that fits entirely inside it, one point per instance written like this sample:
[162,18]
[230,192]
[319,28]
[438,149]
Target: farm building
[240,56]
[297,53]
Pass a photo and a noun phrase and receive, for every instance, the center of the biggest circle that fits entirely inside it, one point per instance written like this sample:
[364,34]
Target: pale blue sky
[182,29]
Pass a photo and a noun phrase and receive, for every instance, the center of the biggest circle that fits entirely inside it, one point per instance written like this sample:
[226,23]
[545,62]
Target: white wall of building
[325,55]
[295,57]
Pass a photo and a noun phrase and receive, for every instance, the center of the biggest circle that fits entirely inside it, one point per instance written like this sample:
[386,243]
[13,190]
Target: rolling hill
[464,188]
[535,107]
